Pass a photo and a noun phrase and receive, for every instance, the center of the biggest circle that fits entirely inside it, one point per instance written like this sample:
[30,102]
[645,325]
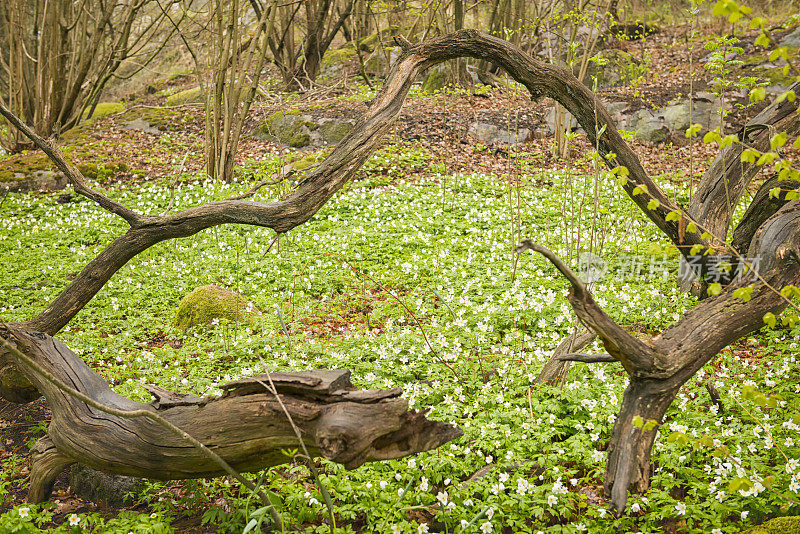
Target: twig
[577,283]
[283,175]
[174,183]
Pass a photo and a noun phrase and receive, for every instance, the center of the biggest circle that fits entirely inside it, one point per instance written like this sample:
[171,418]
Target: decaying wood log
[245,425]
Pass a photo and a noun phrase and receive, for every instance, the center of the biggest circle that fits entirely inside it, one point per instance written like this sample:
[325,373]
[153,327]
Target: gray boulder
[791,39]
[704,110]
[648,127]
[36,181]
[550,120]
[331,131]
[298,130]
[490,134]
[141,125]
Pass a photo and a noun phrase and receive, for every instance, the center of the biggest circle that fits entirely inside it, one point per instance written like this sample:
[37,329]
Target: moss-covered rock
[188,96]
[613,68]
[20,166]
[103,110]
[334,131]
[101,171]
[207,303]
[337,60]
[779,525]
[287,127]
[436,80]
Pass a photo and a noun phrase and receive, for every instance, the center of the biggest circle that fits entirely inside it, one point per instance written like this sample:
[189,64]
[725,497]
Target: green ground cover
[409,280]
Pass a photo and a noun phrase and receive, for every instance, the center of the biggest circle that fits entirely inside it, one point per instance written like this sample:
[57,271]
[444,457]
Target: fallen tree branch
[39,492]
[587,358]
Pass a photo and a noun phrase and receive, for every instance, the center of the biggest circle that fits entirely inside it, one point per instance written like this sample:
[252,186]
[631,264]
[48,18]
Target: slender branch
[73,174]
[577,284]
[588,358]
[283,175]
[636,357]
[174,183]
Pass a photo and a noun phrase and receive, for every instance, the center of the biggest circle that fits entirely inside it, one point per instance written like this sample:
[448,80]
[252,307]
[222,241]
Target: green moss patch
[101,171]
[24,163]
[206,304]
[103,110]
[189,96]
[287,127]
[779,525]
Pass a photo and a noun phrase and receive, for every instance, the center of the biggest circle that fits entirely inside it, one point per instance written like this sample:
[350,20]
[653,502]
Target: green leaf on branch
[777,140]
[743,293]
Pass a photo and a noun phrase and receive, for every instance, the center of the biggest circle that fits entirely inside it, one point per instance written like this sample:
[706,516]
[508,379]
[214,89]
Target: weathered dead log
[245,425]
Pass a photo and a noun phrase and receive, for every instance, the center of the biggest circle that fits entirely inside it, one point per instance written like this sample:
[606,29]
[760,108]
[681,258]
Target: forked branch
[636,357]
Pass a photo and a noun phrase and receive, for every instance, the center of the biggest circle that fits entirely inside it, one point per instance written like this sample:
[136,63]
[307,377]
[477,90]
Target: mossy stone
[436,81]
[613,68]
[101,171]
[336,59]
[334,131]
[20,166]
[188,96]
[779,525]
[206,303]
[287,127]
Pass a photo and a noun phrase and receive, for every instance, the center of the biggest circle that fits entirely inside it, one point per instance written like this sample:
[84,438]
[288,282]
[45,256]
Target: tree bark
[628,464]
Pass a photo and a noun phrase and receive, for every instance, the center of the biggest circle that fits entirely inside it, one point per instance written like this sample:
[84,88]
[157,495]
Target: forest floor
[431,136]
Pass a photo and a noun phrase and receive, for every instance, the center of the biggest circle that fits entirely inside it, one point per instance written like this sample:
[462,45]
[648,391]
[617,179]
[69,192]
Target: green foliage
[31,518]
[436,242]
